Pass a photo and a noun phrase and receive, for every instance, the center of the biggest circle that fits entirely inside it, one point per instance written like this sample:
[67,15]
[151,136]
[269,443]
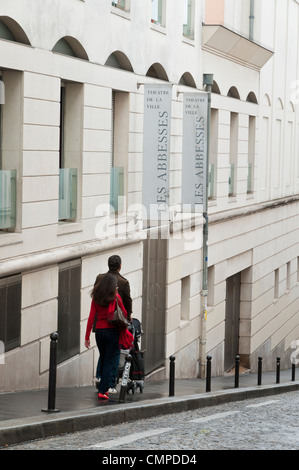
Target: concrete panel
[39,286]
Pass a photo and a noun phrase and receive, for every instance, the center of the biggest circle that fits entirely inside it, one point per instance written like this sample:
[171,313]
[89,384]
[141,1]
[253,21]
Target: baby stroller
[136,379]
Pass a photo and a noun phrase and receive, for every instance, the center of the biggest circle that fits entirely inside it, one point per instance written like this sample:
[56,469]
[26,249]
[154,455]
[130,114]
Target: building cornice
[35,261]
[252,209]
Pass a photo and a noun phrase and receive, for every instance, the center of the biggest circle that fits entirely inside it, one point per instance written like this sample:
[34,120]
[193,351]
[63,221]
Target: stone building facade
[73,78]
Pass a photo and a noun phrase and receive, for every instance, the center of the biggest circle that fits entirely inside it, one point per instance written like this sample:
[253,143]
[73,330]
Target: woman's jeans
[107,342]
[114,369]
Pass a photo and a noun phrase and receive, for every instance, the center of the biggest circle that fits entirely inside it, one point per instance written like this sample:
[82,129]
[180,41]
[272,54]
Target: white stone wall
[184,283]
[246,233]
[260,244]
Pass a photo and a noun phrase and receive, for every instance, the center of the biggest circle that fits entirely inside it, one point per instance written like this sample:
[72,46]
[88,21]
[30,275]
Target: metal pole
[52,374]
[293,371]
[251,20]
[278,370]
[125,378]
[208,379]
[208,82]
[237,371]
[171,376]
[259,373]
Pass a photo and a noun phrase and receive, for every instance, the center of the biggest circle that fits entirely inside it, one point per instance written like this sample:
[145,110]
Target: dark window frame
[69,314]
[10,311]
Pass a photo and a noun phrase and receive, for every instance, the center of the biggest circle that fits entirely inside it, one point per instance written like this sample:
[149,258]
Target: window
[7,178]
[233,157]
[10,312]
[69,309]
[62,126]
[70,149]
[158,12]
[276,284]
[10,30]
[5,32]
[185,298]
[188,22]
[11,143]
[288,276]
[211,281]
[122,4]
[119,150]
[251,154]
[213,154]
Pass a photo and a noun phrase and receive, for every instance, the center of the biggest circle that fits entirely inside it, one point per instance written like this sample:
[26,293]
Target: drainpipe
[208,82]
[251,20]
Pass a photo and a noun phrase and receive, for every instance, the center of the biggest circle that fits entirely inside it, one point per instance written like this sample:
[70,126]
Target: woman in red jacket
[104,296]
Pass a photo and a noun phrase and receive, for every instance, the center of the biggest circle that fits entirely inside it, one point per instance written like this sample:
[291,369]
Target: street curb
[28,429]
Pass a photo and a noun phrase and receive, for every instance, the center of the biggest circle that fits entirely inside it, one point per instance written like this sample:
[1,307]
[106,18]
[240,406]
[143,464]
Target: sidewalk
[22,418]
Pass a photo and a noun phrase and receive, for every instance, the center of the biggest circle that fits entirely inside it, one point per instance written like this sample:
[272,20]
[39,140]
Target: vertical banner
[194,157]
[156,148]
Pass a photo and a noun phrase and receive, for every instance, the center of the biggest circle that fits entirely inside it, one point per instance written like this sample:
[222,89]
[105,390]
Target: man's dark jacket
[123,289]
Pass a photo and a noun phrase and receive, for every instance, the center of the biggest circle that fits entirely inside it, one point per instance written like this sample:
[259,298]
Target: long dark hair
[104,291]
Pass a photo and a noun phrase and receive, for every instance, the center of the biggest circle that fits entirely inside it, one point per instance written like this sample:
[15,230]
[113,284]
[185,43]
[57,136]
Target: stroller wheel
[140,385]
[131,386]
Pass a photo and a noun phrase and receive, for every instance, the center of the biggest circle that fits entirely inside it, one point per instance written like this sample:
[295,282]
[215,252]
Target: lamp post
[208,82]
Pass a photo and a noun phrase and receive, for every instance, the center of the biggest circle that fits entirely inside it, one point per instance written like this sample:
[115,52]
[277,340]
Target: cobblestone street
[268,423]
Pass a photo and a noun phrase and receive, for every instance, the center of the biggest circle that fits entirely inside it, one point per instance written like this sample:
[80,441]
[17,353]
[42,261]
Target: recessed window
[10,312]
[71,47]
[233,154]
[10,125]
[69,309]
[288,275]
[69,149]
[185,298]
[119,150]
[213,154]
[188,19]
[158,12]
[211,281]
[276,284]
[251,154]
[10,30]
[122,4]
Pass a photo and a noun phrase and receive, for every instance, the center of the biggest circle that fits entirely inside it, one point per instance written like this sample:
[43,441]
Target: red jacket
[102,313]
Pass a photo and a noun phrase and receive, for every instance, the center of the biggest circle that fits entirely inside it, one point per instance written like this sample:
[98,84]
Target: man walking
[114,265]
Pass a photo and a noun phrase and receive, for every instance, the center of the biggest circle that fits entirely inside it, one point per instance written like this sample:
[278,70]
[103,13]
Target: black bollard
[293,371]
[278,370]
[171,376]
[125,378]
[208,378]
[237,368]
[259,372]
[52,374]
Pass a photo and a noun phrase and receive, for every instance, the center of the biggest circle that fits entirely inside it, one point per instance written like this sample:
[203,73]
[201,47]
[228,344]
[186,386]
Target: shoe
[112,390]
[103,396]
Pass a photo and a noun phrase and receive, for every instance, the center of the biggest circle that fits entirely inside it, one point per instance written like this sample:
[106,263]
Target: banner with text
[156,147]
[194,156]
